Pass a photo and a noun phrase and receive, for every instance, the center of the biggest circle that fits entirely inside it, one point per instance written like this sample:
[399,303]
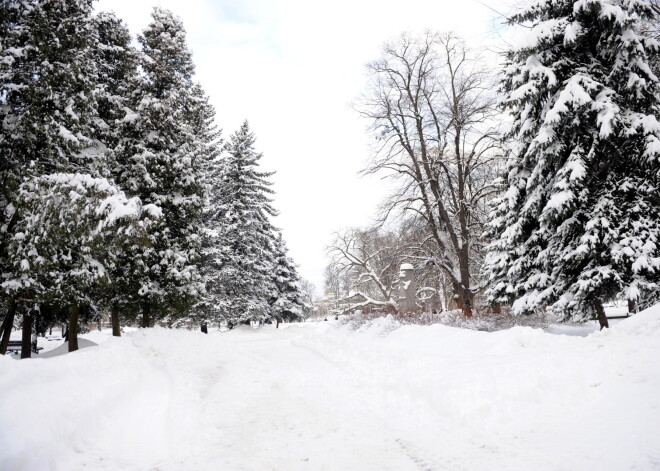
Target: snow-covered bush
[455,318]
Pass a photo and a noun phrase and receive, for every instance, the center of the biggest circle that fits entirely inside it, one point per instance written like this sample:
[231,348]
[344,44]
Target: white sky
[292,68]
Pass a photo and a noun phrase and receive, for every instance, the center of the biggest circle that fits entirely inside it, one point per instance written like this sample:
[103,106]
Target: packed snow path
[319,396]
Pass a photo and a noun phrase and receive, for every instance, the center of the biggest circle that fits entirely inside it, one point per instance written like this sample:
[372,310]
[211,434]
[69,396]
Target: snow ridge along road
[318,396]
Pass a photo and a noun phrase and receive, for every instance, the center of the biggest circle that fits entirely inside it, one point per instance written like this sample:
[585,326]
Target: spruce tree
[240,283]
[48,83]
[578,222]
[117,97]
[288,303]
[208,147]
[71,229]
[47,101]
[160,159]
[117,69]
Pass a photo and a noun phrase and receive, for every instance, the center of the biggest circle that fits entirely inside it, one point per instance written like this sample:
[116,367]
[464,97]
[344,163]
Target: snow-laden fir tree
[288,303]
[117,85]
[47,105]
[116,68]
[48,75]
[202,118]
[71,228]
[579,219]
[240,282]
[47,101]
[160,159]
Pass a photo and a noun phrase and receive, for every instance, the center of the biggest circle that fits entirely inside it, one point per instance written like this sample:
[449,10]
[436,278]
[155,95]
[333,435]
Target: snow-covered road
[319,396]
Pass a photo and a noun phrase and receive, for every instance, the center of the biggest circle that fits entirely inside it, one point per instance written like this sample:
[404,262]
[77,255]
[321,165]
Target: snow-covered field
[321,396]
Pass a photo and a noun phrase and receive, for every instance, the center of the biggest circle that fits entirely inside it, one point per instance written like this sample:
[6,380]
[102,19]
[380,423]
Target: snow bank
[325,396]
[64,348]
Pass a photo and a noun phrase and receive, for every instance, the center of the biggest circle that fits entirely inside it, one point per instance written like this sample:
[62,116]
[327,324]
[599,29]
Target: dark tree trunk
[205,328]
[463,299]
[73,328]
[464,305]
[465,294]
[497,309]
[7,326]
[146,314]
[631,306]
[277,324]
[602,318]
[26,340]
[467,307]
[114,314]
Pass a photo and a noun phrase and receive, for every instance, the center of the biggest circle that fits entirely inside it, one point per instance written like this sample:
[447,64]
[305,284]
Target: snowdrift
[325,396]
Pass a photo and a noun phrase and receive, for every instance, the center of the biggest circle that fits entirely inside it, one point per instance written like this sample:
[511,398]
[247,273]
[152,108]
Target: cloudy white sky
[292,68]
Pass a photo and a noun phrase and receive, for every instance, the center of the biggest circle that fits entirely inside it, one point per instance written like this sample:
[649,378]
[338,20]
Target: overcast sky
[292,68]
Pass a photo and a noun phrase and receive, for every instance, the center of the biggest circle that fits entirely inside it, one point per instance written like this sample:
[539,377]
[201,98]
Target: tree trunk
[277,323]
[7,326]
[463,297]
[26,340]
[467,307]
[602,318]
[497,309]
[631,306]
[73,328]
[114,314]
[205,328]
[146,311]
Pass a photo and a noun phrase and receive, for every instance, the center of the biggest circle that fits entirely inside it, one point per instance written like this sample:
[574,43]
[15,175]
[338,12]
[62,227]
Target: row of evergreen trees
[117,192]
[578,221]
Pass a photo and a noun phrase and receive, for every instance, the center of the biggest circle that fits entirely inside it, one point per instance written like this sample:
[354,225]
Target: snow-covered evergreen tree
[47,100]
[579,219]
[72,227]
[202,118]
[240,282]
[47,105]
[118,95]
[160,159]
[117,68]
[48,81]
[288,304]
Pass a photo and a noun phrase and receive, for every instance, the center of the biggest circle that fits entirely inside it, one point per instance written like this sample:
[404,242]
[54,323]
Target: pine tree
[161,160]
[48,87]
[71,228]
[117,96]
[47,105]
[47,100]
[240,282]
[288,303]
[117,69]
[579,220]
[208,147]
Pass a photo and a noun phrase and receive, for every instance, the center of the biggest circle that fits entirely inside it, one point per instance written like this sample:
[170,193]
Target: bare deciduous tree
[371,261]
[432,112]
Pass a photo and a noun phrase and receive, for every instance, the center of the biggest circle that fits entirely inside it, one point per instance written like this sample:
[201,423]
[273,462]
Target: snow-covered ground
[320,396]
